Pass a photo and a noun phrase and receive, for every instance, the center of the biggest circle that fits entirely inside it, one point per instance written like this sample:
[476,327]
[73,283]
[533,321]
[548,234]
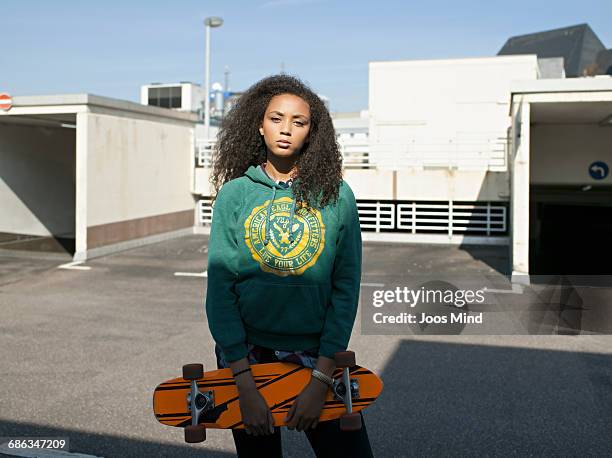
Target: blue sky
[112,47]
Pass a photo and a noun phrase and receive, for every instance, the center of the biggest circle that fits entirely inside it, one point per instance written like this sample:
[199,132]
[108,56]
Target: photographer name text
[424,318]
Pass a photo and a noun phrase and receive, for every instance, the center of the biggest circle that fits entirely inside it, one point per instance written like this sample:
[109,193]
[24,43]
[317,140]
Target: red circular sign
[6,102]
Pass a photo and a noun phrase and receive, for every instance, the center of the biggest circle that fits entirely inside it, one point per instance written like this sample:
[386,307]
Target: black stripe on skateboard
[355,401]
[208,380]
[355,370]
[204,385]
[334,403]
[166,415]
[187,386]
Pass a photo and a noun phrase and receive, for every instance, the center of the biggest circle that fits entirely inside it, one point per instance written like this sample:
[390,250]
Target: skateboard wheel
[195,434]
[344,359]
[350,422]
[193,371]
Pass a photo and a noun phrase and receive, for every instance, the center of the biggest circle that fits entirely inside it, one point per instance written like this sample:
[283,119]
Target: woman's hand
[256,414]
[306,410]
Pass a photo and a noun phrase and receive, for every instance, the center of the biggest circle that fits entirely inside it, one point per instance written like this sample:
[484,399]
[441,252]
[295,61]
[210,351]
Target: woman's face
[286,125]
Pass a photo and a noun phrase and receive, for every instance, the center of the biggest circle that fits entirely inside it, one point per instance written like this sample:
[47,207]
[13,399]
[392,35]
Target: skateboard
[199,400]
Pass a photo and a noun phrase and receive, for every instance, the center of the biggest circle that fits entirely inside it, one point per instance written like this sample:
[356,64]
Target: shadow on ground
[495,256]
[444,399]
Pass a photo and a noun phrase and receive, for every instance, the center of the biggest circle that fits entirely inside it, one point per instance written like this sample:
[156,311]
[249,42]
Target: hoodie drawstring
[267,236]
[291,220]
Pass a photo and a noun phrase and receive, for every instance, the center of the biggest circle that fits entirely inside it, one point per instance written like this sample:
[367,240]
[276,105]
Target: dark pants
[326,439]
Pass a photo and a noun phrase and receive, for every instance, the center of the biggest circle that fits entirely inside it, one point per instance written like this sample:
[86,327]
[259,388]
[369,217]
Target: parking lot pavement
[84,349]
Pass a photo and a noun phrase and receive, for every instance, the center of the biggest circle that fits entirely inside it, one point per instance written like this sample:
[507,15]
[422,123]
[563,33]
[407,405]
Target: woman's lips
[283,144]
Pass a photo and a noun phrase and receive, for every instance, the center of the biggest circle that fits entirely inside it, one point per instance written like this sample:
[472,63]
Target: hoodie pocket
[281,308]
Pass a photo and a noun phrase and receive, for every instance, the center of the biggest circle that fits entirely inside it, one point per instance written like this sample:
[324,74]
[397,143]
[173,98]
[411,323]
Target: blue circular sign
[599,170]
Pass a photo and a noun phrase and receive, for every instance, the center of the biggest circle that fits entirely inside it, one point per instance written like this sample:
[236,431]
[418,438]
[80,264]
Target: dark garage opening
[37,184]
[570,232]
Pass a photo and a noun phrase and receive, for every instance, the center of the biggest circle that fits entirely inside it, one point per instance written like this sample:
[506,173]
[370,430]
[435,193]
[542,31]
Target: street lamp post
[208,22]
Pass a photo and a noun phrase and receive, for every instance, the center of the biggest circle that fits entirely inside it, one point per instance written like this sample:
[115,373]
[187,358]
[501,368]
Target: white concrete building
[437,168]
[183,96]
[88,175]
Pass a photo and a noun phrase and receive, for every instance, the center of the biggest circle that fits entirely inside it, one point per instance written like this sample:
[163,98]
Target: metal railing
[376,215]
[204,150]
[452,218]
[355,153]
[417,217]
[488,153]
[481,154]
[205,211]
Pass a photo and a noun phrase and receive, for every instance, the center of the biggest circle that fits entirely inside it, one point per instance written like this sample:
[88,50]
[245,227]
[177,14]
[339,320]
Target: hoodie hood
[257,175]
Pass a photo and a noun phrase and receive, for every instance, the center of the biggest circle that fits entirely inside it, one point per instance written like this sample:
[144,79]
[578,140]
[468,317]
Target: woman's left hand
[306,409]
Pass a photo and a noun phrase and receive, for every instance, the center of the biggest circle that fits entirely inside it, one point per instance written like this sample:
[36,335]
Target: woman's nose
[286,127]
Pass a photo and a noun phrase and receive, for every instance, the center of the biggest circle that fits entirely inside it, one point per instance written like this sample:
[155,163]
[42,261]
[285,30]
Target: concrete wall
[561,154]
[447,184]
[413,184]
[443,98]
[139,178]
[370,184]
[37,180]
[202,184]
[519,187]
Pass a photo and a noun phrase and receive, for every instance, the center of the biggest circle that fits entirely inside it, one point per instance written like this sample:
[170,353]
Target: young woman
[284,259]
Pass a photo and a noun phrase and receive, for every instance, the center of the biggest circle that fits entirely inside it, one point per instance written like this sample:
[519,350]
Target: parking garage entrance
[570,194]
[37,183]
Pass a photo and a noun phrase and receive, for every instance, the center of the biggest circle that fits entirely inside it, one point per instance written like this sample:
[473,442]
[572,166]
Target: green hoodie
[280,277]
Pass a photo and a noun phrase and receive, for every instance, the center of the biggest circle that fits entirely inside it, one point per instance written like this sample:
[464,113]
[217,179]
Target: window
[175,97]
[166,97]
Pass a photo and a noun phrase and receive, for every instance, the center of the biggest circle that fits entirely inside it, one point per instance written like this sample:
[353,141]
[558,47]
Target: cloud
[276,3]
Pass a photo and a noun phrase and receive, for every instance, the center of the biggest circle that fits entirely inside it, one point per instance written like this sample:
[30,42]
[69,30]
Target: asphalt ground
[83,350]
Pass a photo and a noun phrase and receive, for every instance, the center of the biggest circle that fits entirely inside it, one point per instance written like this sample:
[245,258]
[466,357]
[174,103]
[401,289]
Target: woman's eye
[275,119]
[299,123]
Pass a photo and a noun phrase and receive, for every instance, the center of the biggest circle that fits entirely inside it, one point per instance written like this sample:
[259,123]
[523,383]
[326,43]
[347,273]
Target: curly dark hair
[240,145]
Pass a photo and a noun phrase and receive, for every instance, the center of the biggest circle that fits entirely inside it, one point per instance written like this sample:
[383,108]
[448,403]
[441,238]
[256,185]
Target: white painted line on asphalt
[516,289]
[373,284]
[41,453]
[191,274]
[74,266]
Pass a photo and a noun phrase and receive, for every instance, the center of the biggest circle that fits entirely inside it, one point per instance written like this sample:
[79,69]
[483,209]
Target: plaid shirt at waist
[258,354]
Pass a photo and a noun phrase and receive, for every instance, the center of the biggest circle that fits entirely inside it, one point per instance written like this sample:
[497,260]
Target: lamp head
[213,21]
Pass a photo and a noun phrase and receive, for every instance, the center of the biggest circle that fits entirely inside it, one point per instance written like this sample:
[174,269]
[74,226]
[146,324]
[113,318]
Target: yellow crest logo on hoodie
[292,246]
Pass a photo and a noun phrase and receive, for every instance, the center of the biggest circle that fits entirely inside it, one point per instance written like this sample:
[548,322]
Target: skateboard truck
[350,421]
[197,402]
[339,388]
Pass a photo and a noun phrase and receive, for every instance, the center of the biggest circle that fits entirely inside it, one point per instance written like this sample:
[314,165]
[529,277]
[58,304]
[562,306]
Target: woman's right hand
[256,414]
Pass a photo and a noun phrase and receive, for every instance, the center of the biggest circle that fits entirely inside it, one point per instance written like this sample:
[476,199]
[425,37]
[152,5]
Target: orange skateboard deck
[216,399]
